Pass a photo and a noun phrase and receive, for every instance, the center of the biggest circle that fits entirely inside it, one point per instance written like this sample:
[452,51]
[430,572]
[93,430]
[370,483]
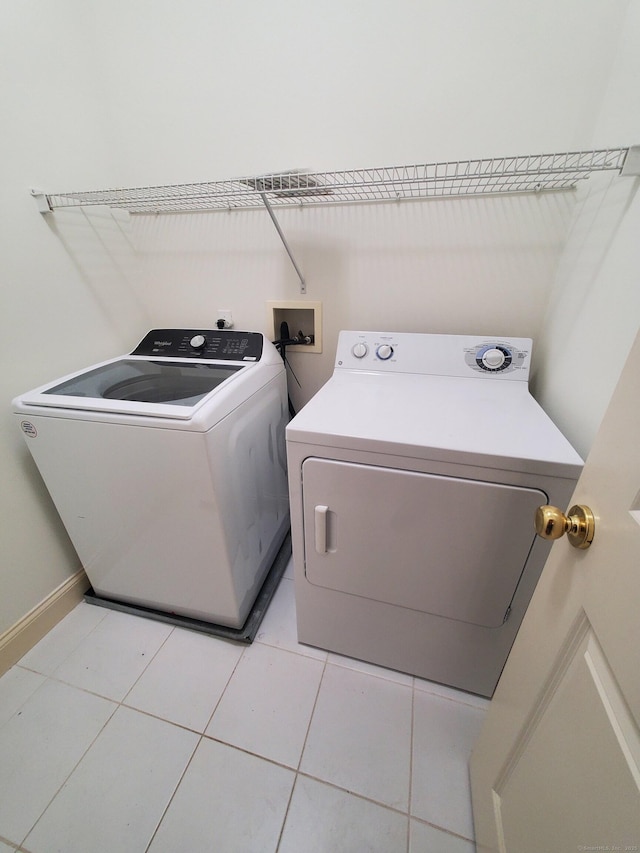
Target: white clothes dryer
[414,476]
[168,469]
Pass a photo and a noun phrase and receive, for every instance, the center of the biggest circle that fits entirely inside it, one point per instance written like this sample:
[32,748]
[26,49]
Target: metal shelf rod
[303,286]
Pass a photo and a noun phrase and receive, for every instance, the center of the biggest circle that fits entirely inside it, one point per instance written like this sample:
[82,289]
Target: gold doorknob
[579,524]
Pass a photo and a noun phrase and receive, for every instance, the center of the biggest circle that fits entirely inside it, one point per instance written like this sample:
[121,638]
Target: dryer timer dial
[494,358]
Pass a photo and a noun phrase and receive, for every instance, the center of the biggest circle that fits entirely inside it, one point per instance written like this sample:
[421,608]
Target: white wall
[212,89]
[53,319]
[593,314]
[131,92]
[480,266]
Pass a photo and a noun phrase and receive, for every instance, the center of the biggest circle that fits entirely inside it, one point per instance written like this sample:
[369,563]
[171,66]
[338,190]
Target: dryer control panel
[497,357]
[218,344]
[435,355]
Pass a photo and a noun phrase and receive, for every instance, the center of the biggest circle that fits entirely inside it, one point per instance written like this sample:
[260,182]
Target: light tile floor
[122,734]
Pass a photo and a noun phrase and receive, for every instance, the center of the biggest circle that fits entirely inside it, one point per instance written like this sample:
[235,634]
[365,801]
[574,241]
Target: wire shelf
[526,174]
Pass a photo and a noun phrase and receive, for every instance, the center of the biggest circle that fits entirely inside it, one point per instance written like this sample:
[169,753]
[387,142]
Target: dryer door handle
[321,513]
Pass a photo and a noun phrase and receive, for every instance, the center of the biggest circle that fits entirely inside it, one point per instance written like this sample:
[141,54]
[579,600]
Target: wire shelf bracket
[631,165]
[525,174]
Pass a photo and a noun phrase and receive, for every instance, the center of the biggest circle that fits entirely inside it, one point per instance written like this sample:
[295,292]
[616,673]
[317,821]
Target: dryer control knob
[384,352]
[493,358]
[198,342]
[360,350]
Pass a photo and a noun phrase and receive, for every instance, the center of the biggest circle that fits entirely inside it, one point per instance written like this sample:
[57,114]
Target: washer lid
[142,381]
[130,385]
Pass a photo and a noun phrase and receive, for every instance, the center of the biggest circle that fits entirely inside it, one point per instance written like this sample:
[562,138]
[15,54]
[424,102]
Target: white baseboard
[17,640]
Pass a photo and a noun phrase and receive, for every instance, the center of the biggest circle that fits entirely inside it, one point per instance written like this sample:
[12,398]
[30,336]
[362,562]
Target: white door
[557,765]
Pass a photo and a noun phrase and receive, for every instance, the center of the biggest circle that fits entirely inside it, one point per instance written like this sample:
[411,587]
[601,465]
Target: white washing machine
[168,469]
[414,476]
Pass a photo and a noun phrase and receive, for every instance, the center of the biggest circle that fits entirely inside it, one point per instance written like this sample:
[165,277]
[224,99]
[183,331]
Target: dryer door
[442,545]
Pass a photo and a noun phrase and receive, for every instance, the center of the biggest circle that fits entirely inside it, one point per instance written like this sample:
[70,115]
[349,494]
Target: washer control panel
[437,355]
[218,344]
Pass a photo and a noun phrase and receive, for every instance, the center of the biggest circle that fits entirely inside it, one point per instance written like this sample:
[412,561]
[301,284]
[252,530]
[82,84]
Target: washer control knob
[384,352]
[198,341]
[359,350]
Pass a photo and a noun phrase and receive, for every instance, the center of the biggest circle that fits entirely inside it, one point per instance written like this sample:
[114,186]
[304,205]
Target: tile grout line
[443,829]
[117,705]
[201,737]
[311,715]
[149,662]
[224,690]
[75,766]
[319,779]
[467,703]
[53,677]
[411,741]
[24,702]
[22,666]
[356,794]
[174,792]
[304,744]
